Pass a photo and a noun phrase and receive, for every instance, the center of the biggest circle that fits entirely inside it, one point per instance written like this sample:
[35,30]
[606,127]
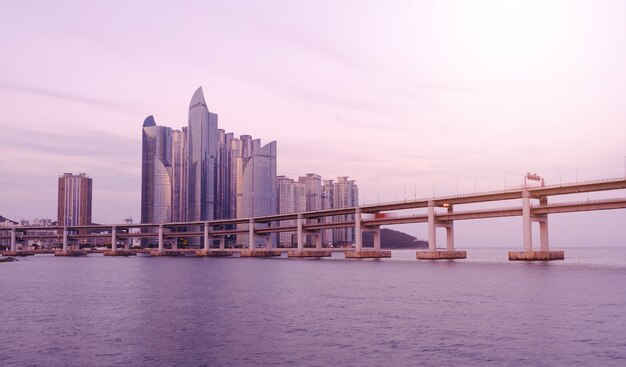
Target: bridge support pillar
[66,251]
[65,240]
[206,237]
[432,253]
[215,252]
[529,254]
[161,246]
[317,238]
[526,222]
[113,238]
[300,233]
[359,252]
[358,233]
[161,242]
[317,252]
[13,240]
[251,251]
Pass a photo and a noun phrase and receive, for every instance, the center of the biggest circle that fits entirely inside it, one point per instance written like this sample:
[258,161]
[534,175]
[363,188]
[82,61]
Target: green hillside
[390,239]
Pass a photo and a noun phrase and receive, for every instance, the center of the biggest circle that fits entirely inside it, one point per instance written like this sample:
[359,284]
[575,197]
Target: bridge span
[439,212]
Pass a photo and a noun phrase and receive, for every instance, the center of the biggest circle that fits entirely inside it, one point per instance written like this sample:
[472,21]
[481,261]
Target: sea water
[481,311]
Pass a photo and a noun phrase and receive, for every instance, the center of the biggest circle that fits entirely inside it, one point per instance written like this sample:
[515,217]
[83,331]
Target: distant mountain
[3,219]
[391,239]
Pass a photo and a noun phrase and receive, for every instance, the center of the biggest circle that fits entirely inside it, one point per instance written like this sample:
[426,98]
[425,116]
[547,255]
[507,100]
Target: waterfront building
[179,175]
[291,199]
[74,200]
[202,142]
[327,203]
[313,187]
[203,173]
[320,195]
[156,170]
[256,183]
[345,194]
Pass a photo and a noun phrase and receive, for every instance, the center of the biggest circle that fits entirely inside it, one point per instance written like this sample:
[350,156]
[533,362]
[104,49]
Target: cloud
[104,104]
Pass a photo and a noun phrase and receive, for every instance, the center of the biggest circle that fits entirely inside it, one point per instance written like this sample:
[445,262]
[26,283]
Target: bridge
[439,213]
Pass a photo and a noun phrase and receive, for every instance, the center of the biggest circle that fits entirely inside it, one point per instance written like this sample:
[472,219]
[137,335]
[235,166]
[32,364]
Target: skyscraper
[256,182]
[156,179]
[291,199]
[345,195]
[179,175]
[202,142]
[74,200]
[203,173]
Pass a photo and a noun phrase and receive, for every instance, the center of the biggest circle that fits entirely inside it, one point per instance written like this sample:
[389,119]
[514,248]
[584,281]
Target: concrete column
[357,232]
[543,228]
[206,236]
[318,240]
[432,228]
[300,234]
[222,242]
[543,235]
[127,243]
[251,235]
[377,239]
[161,244]
[450,236]
[64,239]
[114,238]
[13,240]
[527,221]
[268,242]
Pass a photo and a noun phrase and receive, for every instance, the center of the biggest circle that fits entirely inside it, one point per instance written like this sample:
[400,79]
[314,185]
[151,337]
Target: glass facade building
[74,200]
[256,182]
[156,180]
[202,142]
[203,173]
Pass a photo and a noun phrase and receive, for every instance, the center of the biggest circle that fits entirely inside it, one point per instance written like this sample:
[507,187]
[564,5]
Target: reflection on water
[143,311]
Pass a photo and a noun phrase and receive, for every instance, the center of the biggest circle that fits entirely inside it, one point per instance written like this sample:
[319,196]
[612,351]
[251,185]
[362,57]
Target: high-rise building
[156,173]
[327,203]
[202,142]
[75,196]
[256,182]
[179,175]
[345,195]
[291,199]
[313,188]
[203,173]
[320,195]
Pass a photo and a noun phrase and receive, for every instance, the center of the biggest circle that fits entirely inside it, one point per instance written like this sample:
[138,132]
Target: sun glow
[522,40]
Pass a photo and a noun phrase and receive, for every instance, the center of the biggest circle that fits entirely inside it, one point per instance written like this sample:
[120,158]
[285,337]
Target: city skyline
[379,92]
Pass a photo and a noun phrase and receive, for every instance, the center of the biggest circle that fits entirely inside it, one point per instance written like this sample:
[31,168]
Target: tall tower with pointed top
[202,143]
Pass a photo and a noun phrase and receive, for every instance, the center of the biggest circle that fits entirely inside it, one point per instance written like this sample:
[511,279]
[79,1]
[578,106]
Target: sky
[412,99]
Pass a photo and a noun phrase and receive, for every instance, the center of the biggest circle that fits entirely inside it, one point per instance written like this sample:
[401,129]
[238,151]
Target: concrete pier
[259,253]
[167,253]
[213,253]
[367,254]
[536,255]
[309,253]
[119,253]
[70,252]
[440,255]
[18,253]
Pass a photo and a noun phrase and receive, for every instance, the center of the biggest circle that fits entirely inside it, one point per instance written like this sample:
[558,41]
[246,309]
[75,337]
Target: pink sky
[403,96]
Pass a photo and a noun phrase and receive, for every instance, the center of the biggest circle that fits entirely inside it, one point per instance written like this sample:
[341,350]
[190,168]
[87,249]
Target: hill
[390,239]
[3,219]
